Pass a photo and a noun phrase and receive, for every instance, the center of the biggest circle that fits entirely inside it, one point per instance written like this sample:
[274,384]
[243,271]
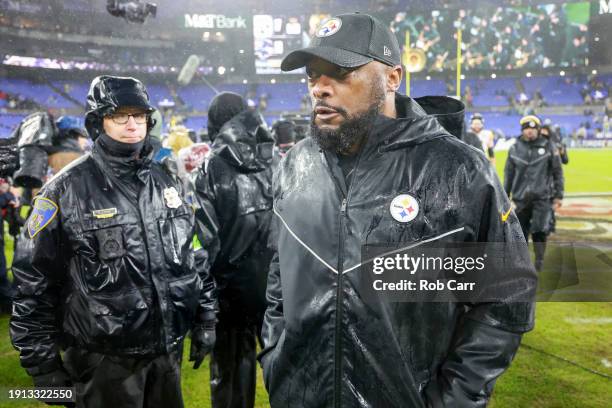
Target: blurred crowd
[509,38]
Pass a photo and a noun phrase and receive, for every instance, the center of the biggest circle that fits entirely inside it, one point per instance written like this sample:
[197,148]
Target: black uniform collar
[123,167]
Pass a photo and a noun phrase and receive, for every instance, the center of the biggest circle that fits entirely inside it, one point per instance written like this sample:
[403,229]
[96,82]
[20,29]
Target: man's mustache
[322,104]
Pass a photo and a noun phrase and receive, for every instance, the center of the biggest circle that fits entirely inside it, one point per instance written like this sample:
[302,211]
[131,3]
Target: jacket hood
[245,142]
[223,108]
[419,120]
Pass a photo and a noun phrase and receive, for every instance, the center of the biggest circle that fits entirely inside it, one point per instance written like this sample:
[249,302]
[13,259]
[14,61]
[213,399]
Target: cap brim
[129,99]
[337,56]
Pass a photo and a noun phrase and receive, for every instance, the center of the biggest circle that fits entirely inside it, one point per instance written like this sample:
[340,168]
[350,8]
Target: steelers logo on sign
[541,151]
[404,208]
[329,27]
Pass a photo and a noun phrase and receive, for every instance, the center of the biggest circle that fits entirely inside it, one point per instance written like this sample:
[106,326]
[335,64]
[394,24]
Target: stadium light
[562,73]
[232,69]
[462,76]
[428,78]
[244,81]
[273,81]
[241,51]
[221,70]
[493,76]
[528,75]
[594,72]
[303,80]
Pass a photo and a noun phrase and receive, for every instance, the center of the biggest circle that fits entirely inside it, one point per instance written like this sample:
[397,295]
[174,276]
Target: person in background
[283,132]
[533,178]
[549,134]
[487,138]
[234,202]
[9,205]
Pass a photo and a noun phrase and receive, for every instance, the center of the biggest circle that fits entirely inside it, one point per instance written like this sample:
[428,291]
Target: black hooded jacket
[325,345]
[235,199]
[533,171]
[112,270]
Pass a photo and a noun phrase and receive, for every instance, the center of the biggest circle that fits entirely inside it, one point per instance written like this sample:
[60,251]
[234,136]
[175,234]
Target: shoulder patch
[42,214]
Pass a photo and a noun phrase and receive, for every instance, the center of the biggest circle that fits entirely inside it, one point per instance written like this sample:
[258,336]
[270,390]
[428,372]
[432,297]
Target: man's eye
[312,74]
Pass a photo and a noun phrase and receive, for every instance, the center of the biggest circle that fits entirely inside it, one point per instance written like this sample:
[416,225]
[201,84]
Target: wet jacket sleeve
[208,296]
[557,172]
[274,322]
[39,273]
[509,173]
[489,334]
[207,221]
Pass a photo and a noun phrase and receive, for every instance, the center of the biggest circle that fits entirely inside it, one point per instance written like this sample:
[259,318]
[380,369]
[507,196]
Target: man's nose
[131,123]
[322,87]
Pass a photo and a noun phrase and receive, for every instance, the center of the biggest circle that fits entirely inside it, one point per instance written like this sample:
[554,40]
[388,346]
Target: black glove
[56,378]
[202,342]
[9,157]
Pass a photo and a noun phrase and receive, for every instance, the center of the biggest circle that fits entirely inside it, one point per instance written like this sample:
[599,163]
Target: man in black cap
[380,168]
[533,177]
[235,205]
[109,276]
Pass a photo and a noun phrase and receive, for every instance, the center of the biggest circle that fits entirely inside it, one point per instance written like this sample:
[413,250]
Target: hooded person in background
[283,132]
[533,178]
[109,276]
[235,203]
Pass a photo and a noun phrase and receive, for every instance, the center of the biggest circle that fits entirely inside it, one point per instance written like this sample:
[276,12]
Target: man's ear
[394,78]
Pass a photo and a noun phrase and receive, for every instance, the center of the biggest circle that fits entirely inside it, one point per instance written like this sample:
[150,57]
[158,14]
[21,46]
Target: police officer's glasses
[123,118]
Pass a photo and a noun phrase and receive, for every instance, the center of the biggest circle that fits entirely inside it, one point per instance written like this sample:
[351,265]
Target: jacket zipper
[338,328]
[338,336]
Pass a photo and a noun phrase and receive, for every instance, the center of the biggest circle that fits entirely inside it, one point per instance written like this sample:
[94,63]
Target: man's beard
[352,130]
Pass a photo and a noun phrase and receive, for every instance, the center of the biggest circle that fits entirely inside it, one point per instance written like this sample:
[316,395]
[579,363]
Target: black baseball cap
[349,41]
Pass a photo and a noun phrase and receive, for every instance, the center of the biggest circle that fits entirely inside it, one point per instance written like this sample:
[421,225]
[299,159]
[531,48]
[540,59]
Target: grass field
[566,361]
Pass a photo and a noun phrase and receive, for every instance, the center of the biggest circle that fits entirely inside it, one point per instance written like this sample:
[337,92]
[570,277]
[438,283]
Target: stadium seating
[287,97]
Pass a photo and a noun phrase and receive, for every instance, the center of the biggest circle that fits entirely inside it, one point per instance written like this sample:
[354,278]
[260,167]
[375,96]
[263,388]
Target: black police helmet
[107,94]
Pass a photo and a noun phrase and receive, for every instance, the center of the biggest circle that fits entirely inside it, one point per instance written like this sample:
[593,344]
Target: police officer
[533,177]
[372,151]
[235,197]
[110,276]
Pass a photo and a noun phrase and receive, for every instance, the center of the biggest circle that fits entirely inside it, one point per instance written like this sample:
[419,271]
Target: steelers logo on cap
[329,27]
[404,208]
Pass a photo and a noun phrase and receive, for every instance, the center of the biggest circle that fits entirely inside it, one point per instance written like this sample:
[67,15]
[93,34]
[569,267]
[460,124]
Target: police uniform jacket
[110,265]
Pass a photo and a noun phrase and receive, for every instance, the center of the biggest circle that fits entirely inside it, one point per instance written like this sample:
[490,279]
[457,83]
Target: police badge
[173,200]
